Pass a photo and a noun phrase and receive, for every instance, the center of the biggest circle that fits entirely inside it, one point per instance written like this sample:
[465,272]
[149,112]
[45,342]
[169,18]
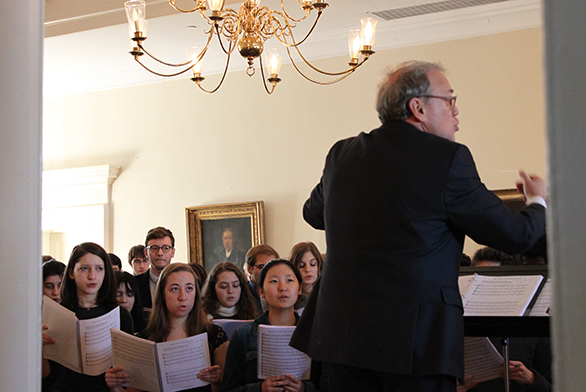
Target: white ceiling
[86,45]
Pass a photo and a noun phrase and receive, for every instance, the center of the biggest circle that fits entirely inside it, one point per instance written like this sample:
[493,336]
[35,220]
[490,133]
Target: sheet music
[138,358]
[276,357]
[482,361]
[181,360]
[95,342]
[62,325]
[500,295]
[464,282]
[229,325]
[543,304]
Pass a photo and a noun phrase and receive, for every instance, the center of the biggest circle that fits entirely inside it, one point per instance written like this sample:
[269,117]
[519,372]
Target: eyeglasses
[155,248]
[140,261]
[450,100]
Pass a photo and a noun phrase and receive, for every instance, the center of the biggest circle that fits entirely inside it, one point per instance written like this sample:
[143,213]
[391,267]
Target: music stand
[507,326]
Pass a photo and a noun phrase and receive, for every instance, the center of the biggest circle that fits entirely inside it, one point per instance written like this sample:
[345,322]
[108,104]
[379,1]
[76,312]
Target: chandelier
[246,30]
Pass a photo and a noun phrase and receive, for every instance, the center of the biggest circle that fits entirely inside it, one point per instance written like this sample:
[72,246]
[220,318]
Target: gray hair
[409,80]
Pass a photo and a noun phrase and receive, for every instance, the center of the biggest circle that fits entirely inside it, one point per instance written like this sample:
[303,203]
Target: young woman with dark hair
[177,314]
[309,260]
[225,294]
[128,296]
[88,290]
[53,271]
[280,283]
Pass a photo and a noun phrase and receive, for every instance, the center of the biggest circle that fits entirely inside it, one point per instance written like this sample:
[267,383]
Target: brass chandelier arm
[201,6]
[269,24]
[283,40]
[230,26]
[139,44]
[201,12]
[348,71]
[199,57]
[160,61]
[232,41]
[221,80]
[306,8]
[136,58]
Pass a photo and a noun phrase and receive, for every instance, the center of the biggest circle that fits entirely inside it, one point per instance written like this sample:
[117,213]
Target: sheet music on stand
[497,295]
[542,305]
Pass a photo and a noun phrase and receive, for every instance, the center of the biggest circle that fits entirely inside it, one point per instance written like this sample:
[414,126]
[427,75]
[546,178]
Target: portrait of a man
[229,252]
[226,240]
[224,232]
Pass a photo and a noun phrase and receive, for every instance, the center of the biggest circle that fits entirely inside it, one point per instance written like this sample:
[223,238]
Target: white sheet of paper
[95,342]
[276,357]
[229,325]
[464,282]
[500,295]
[542,305]
[482,360]
[138,358]
[62,325]
[181,360]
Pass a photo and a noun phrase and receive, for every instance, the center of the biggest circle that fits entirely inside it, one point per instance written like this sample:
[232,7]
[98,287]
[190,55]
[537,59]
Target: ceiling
[86,42]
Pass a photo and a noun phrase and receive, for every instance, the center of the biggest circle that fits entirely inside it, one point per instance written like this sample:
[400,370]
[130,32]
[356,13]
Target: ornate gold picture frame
[223,232]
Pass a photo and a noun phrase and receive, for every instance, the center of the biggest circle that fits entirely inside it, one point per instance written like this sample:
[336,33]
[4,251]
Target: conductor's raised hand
[531,185]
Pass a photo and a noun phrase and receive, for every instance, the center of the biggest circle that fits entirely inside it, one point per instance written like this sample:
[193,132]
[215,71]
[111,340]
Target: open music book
[161,367]
[482,360]
[497,295]
[81,345]
[276,357]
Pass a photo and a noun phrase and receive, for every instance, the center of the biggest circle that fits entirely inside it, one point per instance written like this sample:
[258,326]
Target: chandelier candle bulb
[216,5]
[135,18]
[273,58]
[354,45]
[136,14]
[367,33]
[192,55]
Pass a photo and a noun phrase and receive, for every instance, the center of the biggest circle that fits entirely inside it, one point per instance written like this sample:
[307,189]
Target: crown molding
[78,186]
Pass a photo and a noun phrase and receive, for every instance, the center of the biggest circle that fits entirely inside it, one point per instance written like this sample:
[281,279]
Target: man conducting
[396,204]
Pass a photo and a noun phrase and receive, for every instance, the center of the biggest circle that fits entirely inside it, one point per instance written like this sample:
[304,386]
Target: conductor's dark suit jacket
[395,204]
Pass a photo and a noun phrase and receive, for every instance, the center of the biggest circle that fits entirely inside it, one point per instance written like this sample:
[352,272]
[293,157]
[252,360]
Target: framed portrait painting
[224,232]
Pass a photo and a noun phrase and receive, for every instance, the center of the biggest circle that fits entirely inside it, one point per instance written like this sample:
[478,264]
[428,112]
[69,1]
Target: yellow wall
[179,147]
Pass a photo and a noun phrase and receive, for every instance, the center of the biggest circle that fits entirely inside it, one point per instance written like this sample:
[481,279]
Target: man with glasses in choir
[256,258]
[159,250]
